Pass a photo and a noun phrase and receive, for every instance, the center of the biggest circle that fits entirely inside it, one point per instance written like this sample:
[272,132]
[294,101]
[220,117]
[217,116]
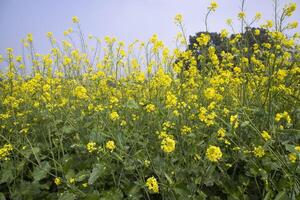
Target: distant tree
[248,39]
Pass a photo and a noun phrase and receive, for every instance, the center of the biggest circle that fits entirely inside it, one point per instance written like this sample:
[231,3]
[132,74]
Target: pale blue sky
[125,19]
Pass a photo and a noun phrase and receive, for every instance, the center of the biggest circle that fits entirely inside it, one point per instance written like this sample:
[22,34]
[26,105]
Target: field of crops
[147,122]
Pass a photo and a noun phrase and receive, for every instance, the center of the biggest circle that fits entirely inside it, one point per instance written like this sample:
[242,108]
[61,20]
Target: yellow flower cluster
[110,145]
[241,15]
[57,181]
[185,130]
[266,135]
[224,33]
[114,116]
[207,117]
[168,144]
[292,157]
[91,147]
[285,115]
[75,19]
[150,108]
[152,185]
[203,39]
[5,151]
[221,133]
[80,92]
[178,18]
[259,151]
[210,93]
[214,153]
[234,121]
[213,6]
[171,100]
[72,180]
[290,9]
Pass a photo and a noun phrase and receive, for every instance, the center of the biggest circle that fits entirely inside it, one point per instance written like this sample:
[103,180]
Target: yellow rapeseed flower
[213,6]
[49,35]
[292,25]
[259,151]
[241,15]
[171,100]
[147,163]
[203,39]
[229,22]
[257,32]
[178,18]
[224,33]
[268,24]
[210,93]
[150,108]
[80,92]
[285,115]
[110,145]
[9,50]
[72,180]
[114,116]
[75,19]
[168,144]
[5,151]
[281,74]
[258,16]
[85,185]
[266,135]
[123,123]
[221,133]
[292,157]
[91,147]
[29,38]
[57,181]
[289,9]
[185,130]
[234,121]
[152,185]
[214,153]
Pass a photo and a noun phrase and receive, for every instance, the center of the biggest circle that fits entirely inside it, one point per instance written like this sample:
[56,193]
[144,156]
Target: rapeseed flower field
[146,122]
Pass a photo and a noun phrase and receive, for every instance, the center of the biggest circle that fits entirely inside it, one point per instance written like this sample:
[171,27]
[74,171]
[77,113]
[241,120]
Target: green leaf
[131,104]
[268,195]
[82,175]
[169,179]
[2,197]
[97,172]
[67,196]
[289,147]
[28,151]
[98,137]
[67,129]
[134,192]
[182,191]
[244,124]
[93,196]
[201,196]
[6,173]
[281,196]
[113,194]
[26,190]
[41,171]
[36,150]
